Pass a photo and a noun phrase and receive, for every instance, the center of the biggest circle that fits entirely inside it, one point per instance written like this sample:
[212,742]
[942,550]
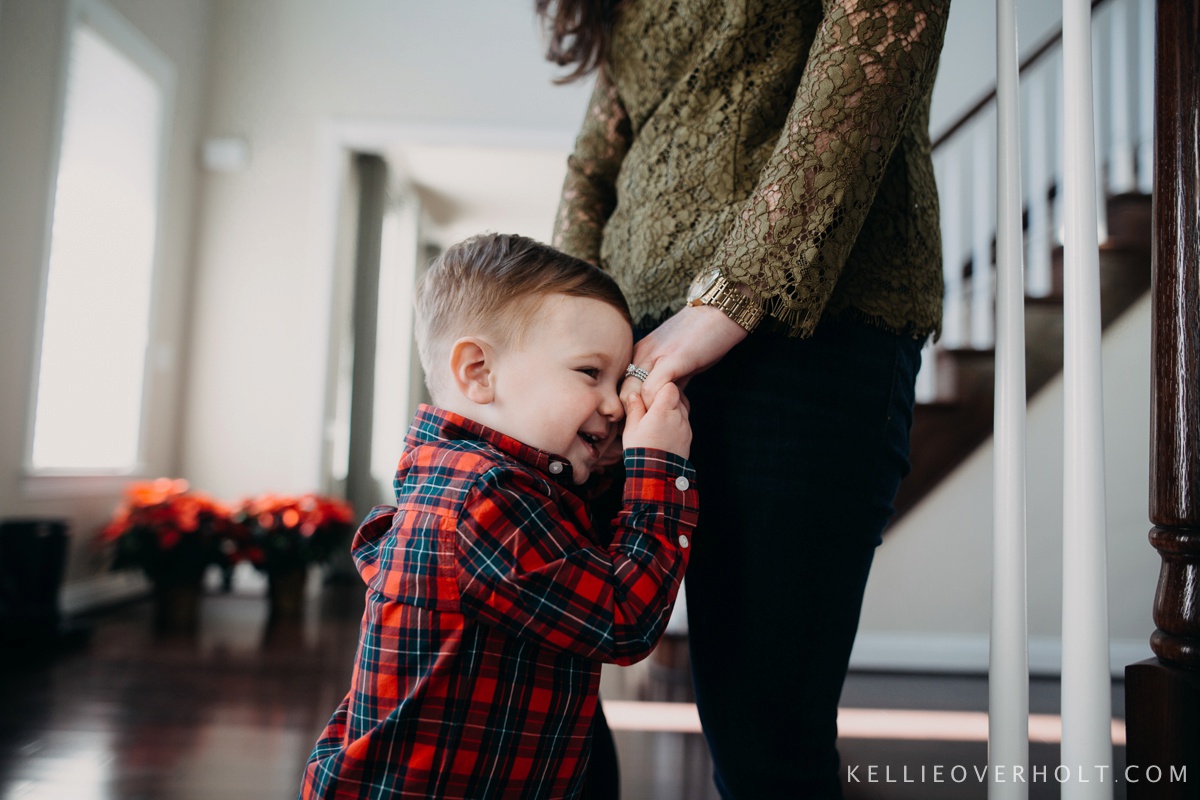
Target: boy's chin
[609,459]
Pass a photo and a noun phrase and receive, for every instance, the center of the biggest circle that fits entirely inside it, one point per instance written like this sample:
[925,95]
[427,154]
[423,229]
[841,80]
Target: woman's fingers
[661,376]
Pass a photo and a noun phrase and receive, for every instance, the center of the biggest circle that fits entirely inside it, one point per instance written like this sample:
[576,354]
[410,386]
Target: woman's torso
[708,86]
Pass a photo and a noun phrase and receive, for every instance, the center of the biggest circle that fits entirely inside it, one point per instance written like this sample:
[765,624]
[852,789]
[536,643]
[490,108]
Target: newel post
[1162,695]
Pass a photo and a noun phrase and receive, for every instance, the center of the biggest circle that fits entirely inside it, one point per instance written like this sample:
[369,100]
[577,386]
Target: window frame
[124,37]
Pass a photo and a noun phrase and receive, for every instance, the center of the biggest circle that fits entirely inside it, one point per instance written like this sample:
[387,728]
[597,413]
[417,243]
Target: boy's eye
[591,372]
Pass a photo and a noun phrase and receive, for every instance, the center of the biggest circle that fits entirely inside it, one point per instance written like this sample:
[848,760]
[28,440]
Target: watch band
[737,306]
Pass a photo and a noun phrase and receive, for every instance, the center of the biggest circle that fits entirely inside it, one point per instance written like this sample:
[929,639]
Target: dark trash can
[33,554]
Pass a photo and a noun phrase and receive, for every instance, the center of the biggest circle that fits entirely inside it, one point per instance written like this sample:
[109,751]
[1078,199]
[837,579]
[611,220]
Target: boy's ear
[471,362]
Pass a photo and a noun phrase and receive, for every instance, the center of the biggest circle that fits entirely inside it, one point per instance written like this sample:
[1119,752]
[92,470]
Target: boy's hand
[662,426]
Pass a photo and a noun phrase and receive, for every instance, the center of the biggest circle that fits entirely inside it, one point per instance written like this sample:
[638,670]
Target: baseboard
[968,653]
[105,589]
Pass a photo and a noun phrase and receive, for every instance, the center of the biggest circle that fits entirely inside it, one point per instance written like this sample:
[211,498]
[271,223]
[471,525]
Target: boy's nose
[612,407]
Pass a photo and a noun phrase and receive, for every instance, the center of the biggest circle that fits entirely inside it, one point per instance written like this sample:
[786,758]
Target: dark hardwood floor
[233,710]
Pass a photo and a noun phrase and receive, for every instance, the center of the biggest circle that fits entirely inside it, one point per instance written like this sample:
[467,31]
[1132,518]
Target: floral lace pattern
[785,141]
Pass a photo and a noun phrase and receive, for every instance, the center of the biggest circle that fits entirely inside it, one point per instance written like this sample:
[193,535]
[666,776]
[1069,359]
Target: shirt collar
[432,424]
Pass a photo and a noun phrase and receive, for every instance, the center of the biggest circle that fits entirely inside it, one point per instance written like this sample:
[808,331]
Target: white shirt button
[683,540]
[682,483]
[556,467]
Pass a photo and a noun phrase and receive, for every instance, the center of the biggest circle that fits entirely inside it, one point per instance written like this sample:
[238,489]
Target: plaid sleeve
[529,568]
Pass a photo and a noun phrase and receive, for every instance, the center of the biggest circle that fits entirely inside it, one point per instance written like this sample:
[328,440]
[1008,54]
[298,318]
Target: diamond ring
[634,371]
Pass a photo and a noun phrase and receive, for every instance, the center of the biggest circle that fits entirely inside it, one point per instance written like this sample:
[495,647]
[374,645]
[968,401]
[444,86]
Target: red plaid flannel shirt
[490,607]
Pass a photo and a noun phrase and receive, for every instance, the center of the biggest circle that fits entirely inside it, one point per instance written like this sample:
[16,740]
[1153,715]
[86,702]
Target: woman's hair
[493,285]
[579,31]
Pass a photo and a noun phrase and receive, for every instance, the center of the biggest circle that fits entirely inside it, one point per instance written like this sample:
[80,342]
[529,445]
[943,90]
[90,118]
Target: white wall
[281,72]
[31,63]
[968,66]
[928,600]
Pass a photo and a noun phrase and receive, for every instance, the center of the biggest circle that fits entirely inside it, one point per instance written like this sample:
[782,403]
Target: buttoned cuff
[659,478]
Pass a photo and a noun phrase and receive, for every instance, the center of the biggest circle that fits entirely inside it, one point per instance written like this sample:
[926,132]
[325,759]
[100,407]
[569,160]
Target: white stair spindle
[1100,96]
[1056,207]
[1086,682]
[1008,667]
[982,230]
[951,201]
[926,390]
[1038,272]
[1120,145]
[1145,98]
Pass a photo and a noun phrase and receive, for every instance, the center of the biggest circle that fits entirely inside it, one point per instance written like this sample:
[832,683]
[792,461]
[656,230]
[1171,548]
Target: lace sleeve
[871,64]
[589,194]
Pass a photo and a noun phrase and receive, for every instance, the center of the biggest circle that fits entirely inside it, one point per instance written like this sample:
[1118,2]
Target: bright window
[96,325]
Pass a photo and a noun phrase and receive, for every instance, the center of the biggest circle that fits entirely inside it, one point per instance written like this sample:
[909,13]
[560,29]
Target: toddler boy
[492,599]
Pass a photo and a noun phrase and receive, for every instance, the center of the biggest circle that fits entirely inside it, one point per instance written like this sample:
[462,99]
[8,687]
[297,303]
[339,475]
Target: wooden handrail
[1162,695]
[1175,462]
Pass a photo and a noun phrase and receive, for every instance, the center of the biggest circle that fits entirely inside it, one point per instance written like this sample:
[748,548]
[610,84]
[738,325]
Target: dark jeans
[799,447]
[603,778]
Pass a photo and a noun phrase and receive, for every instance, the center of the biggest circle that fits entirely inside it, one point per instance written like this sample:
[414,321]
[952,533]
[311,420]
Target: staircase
[949,427]
[955,392]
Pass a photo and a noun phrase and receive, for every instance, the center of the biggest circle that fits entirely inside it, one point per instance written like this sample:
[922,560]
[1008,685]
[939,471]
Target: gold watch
[710,288]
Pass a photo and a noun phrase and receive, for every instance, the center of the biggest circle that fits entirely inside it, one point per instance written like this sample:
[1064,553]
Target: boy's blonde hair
[492,285]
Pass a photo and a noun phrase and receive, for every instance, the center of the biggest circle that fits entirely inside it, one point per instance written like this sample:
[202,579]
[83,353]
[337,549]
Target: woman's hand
[689,342]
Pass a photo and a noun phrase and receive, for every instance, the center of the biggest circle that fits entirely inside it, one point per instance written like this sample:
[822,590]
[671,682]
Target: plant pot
[286,592]
[176,607]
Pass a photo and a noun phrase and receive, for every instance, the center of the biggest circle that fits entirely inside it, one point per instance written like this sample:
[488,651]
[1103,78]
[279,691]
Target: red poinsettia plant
[291,532]
[172,533]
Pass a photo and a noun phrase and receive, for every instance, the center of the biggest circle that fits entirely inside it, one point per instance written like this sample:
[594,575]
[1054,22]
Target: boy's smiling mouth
[593,441]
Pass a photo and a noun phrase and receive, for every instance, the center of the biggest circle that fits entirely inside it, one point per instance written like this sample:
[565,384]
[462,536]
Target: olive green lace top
[784,141]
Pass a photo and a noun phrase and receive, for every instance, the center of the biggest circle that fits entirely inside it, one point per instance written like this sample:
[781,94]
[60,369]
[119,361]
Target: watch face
[702,284]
